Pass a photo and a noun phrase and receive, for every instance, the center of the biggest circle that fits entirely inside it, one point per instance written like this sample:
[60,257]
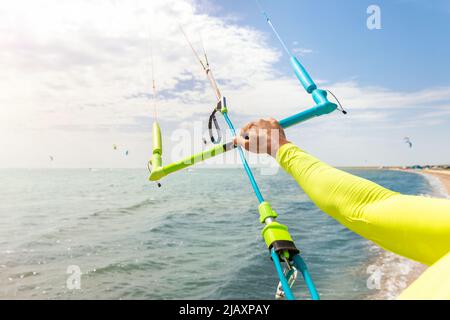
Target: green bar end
[266,211]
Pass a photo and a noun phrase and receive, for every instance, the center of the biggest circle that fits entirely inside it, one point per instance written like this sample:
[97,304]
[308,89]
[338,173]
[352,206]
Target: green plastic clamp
[222,105]
[266,211]
[275,231]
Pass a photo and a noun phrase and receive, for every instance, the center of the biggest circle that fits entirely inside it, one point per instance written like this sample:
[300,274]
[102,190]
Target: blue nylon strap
[244,162]
[301,265]
[298,261]
[286,288]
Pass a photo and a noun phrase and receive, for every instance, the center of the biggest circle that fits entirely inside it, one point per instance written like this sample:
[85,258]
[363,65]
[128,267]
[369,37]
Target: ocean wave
[395,273]
[188,242]
[108,212]
[142,204]
[437,186]
[127,267]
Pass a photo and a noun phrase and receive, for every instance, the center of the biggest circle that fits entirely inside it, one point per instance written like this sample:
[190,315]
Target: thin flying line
[205,65]
[273,28]
[192,48]
[155,115]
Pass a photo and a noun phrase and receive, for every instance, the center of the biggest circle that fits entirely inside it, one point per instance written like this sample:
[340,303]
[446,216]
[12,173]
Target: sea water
[196,237]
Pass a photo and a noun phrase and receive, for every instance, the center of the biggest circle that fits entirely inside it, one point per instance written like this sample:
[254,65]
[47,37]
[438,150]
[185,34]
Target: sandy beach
[443,176]
[402,270]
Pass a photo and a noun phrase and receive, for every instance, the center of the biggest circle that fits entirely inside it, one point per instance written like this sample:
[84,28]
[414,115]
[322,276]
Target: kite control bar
[322,106]
[158,172]
[276,235]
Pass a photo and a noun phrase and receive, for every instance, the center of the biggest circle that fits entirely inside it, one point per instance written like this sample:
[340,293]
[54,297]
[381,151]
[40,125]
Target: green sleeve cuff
[283,149]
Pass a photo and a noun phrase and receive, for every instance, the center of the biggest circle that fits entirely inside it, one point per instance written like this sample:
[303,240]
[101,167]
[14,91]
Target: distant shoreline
[415,269]
[442,175]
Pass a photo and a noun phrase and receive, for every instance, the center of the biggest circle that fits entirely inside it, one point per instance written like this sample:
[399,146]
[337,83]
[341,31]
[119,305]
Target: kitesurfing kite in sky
[407,141]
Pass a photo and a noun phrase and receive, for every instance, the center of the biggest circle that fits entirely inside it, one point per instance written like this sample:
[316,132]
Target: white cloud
[301,51]
[76,77]
[63,57]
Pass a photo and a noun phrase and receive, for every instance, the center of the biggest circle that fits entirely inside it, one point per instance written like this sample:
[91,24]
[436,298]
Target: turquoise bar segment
[303,75]
[308,114]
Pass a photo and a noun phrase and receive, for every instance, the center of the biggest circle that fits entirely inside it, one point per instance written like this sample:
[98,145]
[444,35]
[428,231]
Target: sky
[76,78]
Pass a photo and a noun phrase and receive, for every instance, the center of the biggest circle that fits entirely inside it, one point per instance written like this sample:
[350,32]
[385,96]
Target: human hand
[262,136]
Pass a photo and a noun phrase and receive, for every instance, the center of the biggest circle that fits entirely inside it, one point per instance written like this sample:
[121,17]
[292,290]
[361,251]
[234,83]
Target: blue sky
[410,53]
[76,77]
[407,55]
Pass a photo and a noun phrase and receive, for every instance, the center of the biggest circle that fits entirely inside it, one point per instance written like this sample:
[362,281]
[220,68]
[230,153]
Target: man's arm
[412,226]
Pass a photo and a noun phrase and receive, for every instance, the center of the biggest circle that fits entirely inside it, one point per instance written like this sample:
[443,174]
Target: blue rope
[284,283]
[298,261]
[245,163]
[301,265]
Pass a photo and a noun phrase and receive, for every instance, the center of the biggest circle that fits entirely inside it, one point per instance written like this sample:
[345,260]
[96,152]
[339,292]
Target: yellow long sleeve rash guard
[415,227]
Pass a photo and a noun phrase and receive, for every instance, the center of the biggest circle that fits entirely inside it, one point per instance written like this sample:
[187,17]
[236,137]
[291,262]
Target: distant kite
[407,141]
[51,158]
[126,152]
